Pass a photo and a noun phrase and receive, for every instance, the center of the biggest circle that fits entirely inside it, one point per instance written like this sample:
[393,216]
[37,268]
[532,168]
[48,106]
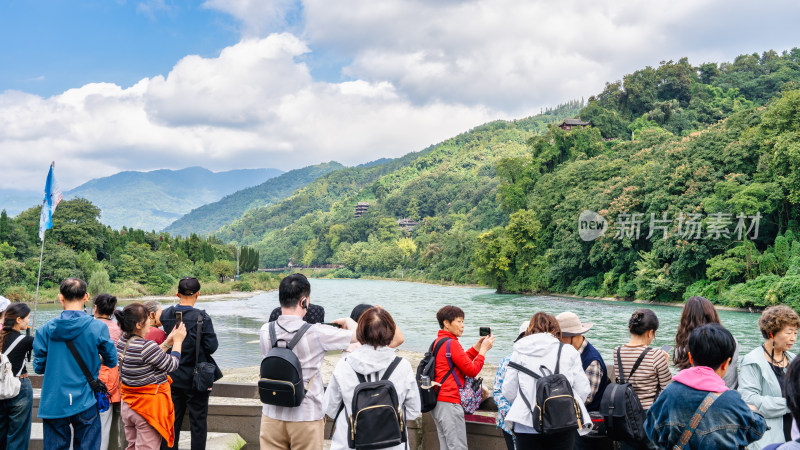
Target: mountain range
[149,200]
[208,218]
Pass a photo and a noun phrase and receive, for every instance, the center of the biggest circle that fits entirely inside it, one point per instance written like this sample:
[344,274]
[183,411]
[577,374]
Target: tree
[223,269]
[76,225]
[5,228]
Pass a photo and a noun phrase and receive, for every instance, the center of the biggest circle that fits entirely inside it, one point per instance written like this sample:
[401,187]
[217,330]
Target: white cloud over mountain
[416,72]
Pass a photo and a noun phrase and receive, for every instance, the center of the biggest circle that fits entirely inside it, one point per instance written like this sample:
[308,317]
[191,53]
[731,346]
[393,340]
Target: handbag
[98,387]
[205,373]
[471,394]
[9,381]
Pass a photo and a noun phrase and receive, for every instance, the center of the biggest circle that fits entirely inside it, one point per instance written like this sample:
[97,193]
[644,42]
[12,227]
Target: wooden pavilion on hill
[569,124]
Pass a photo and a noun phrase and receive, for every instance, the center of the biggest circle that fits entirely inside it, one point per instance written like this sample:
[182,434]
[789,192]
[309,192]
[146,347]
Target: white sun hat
[571,325]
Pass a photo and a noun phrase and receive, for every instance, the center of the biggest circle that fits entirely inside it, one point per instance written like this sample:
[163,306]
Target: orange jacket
[154,403]
[110,376]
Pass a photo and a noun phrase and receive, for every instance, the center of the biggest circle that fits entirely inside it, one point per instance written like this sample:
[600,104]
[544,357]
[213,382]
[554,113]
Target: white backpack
[9,383]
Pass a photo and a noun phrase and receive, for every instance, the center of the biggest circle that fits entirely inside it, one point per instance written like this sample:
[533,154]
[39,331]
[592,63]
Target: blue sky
[108,85]
[51,46]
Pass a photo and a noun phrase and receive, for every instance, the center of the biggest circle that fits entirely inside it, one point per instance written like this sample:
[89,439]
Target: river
[414,306]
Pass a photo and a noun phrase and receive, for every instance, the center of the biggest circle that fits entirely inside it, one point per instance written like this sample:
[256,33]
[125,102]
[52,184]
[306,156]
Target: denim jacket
[728,424]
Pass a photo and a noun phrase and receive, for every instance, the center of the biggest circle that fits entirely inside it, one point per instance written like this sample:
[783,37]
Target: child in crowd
[147,409]
[698,410]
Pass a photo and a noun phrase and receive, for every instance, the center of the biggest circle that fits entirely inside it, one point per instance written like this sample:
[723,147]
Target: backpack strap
[697,417]
[621,373]
[558,356]
[435,352]
[298,335]
[391,368]
[526,371]
[273,338]
[199,336]
[386,375]
[339,411]
[638,361]
[11,347]
[452,366]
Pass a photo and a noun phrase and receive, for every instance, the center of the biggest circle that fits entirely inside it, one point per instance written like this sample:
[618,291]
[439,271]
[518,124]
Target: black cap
[358,311]
[188,286]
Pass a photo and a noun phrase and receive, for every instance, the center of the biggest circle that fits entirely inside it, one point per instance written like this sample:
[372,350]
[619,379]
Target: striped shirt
[653,373]
[318,340]
[143,362]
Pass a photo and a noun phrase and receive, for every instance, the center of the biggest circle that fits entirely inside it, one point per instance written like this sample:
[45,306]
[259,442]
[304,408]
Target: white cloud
[256,16]
[253,106]
[417,71]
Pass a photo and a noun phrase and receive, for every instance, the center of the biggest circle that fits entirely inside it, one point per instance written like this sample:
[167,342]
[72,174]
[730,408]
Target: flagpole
[52,196]
[38,279]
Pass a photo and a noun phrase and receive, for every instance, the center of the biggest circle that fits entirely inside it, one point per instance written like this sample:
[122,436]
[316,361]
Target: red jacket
[467,363]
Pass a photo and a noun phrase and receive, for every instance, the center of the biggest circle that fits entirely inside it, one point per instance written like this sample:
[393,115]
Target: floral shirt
[503,405]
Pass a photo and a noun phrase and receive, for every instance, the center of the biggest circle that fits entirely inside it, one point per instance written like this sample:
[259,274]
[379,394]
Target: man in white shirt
[301,427]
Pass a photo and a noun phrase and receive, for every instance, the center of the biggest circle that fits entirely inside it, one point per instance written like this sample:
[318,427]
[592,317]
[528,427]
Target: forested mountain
[699,184]
[209,218]
[153,200]
[453,184]
[695,168]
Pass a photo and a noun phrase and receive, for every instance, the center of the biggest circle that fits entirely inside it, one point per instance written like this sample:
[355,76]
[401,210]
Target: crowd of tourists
[553,391]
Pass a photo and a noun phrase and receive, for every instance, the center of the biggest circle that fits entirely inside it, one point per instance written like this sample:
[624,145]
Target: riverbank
[676,304]
[232,295]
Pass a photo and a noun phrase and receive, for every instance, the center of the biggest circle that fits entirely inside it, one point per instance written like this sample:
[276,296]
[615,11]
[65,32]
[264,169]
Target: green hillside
[710,150]
[209,218]
[453,182]
[153,200]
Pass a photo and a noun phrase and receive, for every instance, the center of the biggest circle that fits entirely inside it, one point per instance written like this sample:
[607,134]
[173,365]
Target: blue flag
[52,195]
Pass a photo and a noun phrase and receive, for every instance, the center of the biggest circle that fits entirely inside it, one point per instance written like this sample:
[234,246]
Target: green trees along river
[693,172]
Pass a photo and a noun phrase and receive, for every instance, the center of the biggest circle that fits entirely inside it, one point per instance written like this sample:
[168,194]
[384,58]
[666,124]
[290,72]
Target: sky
[102,86]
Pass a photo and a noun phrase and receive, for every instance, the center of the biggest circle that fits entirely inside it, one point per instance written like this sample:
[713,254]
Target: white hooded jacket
[532,352]
[371,363]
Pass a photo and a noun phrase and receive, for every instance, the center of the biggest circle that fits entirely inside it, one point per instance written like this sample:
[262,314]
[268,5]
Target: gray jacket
[759,387]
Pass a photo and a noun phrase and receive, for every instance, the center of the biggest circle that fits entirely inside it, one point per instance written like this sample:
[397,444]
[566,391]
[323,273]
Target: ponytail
[12,313]
[129,317]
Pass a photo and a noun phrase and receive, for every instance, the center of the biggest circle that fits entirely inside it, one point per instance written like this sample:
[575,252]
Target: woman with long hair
[147,409]
[15,413]
[698,311]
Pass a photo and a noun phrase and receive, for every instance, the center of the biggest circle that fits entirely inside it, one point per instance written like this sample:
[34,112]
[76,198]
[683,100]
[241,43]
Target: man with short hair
[66,398]
[184,393]
[697,410]
[301,427]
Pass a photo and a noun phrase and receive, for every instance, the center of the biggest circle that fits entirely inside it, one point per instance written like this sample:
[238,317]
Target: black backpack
[556,409]
[427,368]
[281,382]
[620,407]
[376,420]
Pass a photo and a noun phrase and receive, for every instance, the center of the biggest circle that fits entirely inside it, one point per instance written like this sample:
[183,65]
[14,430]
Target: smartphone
[178,318]
[332,324]
[667,348]
[485,331]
